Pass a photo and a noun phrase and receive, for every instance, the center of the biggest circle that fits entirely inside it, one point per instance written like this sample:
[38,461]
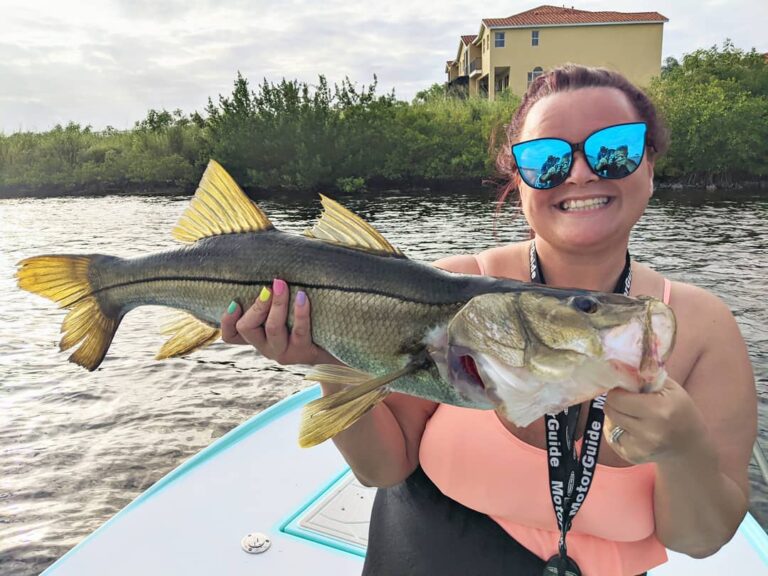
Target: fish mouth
[641,348]
[462,371]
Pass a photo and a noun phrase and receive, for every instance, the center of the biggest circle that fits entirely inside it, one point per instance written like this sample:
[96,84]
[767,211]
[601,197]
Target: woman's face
[553,214]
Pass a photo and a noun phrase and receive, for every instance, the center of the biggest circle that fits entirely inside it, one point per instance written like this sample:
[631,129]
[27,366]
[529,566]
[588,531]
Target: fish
[396,324]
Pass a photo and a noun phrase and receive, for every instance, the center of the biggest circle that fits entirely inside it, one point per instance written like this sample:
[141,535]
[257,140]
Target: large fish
[399,325]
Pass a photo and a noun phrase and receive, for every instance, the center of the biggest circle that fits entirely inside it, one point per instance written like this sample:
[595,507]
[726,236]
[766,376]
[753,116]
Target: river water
[75,447]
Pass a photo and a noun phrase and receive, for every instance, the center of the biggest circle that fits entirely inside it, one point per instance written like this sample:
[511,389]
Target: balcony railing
[476,67]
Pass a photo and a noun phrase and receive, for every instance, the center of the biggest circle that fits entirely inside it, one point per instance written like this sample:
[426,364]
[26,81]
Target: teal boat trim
[756,536]
[260,420]
[292,527]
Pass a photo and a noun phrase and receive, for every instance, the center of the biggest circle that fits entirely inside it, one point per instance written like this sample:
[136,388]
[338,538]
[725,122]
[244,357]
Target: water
[75,447]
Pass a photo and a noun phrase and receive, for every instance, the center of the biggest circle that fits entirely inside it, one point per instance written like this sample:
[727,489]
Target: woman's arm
[700,435]
[702,494]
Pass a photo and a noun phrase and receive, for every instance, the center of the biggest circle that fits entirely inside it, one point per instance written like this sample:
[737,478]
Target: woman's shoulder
[503,261]
[706,316]
[682,296]
[704,320]
[460,263]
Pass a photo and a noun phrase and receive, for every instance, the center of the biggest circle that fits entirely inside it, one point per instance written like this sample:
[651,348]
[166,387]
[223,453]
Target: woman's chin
[585,237]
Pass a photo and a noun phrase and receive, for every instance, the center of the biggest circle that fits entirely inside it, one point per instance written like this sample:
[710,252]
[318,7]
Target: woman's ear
[650,178]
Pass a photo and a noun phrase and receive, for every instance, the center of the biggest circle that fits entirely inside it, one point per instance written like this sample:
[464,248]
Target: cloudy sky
[107,62]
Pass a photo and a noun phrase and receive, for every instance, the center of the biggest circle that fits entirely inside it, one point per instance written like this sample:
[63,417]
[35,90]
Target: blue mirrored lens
[616,151]
[543,163]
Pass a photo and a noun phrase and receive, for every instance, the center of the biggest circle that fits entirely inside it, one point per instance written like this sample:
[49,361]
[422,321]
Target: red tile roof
[556,15]
[468,38]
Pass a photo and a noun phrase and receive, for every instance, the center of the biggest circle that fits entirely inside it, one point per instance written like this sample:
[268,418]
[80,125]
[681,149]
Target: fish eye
[585,304]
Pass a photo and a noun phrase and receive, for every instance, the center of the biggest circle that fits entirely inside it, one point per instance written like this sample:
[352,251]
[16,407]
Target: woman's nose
[580,171]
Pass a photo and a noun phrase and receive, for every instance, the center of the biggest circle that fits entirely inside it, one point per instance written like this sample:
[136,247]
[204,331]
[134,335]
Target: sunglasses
[612,153]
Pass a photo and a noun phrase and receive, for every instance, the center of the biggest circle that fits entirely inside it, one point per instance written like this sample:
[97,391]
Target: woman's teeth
[589,204]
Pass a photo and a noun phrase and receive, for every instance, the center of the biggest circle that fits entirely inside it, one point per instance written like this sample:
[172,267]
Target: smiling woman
[672,471]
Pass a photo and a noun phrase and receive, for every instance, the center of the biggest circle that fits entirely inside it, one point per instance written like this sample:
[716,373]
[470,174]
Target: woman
[672,471]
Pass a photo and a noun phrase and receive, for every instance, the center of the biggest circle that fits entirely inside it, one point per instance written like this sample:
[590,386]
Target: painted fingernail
[301,298]
[232,307]
[278,286]
[264,294]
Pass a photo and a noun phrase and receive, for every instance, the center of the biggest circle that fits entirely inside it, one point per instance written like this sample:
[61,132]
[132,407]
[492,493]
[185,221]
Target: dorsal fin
[337,225]
[219,207]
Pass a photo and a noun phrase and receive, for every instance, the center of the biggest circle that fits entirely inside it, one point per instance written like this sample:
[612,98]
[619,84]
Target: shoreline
[424,186]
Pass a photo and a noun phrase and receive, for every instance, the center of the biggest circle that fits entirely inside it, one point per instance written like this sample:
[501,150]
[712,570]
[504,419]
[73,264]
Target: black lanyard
[571,474]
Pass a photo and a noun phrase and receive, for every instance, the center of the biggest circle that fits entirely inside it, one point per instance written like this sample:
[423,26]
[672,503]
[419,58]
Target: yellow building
[508,53]
[458,70]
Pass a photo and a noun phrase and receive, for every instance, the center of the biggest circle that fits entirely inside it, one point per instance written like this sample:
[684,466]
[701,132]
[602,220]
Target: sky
[107,62]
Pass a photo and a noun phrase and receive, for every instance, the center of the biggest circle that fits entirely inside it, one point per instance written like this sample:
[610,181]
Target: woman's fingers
[275,325]
[264,326]
[251,325]
[228,320]
[301,334]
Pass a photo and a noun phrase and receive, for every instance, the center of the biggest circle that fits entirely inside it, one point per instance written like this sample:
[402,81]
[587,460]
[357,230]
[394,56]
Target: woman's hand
[656,426]
[264,326]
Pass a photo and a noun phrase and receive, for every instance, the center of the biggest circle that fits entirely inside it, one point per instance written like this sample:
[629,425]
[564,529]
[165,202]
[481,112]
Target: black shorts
[415,530]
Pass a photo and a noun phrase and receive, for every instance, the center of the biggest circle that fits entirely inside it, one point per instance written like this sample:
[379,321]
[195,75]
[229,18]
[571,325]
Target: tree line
[295,136]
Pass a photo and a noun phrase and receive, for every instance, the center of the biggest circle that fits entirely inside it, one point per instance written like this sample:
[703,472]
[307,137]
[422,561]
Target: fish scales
[376,330]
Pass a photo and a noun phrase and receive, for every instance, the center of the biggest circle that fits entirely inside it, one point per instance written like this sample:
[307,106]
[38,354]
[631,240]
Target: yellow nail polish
[264,294]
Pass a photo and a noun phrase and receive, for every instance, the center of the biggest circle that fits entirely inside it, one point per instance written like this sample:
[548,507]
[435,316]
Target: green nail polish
[232,307]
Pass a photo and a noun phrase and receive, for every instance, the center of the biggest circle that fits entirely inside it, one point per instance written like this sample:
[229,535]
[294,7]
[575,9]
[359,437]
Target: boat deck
[306,503]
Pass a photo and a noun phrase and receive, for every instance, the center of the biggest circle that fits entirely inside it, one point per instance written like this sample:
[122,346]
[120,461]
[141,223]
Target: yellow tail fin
[64,279]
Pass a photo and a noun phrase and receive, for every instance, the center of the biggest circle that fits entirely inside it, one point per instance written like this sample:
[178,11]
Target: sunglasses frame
[579,147]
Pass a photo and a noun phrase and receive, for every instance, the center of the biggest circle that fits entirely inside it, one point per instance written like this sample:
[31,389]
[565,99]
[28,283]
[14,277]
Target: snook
[399,325]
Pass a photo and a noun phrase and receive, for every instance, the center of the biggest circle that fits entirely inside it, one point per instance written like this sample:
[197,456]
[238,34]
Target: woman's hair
[564,79]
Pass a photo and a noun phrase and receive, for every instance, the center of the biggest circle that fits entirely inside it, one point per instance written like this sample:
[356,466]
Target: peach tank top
[473,459]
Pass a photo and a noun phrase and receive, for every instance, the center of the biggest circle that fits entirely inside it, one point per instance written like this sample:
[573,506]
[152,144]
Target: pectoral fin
[188,334]
[336,374]
[325,417]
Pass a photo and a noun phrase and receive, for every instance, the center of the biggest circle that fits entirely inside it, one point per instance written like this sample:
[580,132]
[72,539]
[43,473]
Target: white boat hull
[257,480]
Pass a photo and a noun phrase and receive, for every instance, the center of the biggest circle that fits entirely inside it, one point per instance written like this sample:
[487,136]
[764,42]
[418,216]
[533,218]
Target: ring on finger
[616,434]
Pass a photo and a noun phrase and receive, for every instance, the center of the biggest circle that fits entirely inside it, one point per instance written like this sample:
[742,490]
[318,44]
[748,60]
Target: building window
[534,37]
[535,73]
[499,40]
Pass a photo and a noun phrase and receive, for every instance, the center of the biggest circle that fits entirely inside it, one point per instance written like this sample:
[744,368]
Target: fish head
[534,352]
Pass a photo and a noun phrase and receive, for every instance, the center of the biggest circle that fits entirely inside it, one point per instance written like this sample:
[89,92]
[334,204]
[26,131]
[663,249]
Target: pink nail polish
[278,286]
[301,298]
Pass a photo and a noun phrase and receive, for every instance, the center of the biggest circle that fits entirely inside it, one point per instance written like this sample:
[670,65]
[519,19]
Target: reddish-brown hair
[563,79]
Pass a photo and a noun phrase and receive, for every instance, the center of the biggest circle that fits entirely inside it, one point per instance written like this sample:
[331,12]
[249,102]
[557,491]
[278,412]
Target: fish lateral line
[258,282]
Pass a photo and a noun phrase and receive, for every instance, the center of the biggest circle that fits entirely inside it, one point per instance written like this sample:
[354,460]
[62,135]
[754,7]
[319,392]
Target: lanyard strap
[571,474]
[622,284]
